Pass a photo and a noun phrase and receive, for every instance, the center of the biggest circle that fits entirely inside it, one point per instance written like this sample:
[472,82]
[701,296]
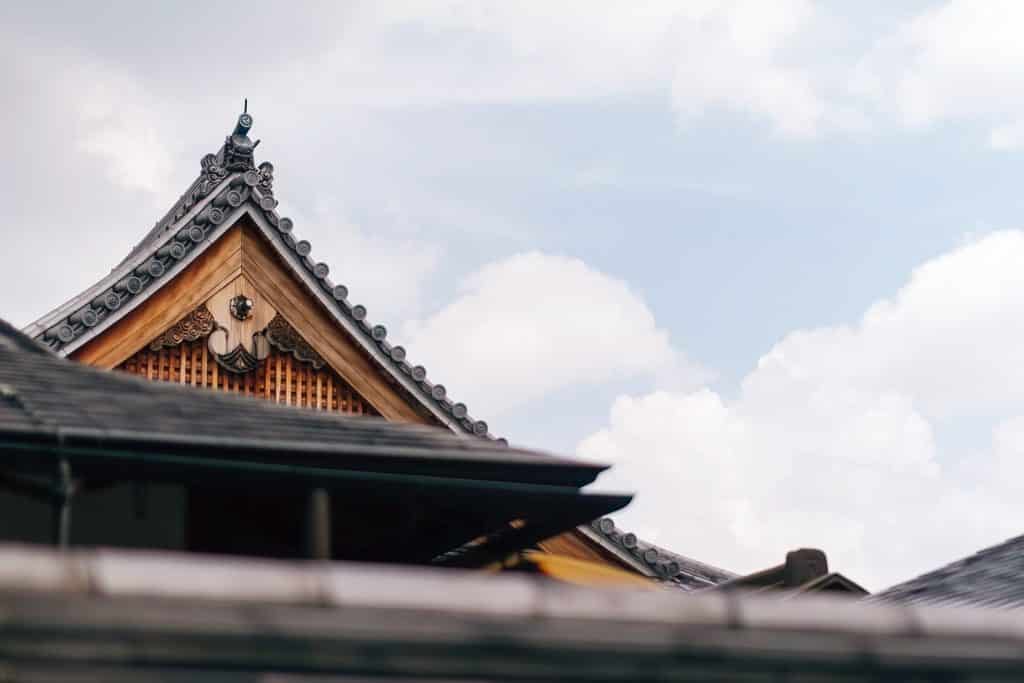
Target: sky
[764,258]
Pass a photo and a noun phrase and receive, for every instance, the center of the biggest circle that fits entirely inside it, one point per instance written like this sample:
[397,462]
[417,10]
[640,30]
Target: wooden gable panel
[241,261]
[280,377]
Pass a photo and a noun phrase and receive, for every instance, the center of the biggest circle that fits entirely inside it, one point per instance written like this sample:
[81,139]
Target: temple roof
[992,577]
[230,185]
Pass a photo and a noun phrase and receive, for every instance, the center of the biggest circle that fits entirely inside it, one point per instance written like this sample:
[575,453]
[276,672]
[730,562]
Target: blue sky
[758,255]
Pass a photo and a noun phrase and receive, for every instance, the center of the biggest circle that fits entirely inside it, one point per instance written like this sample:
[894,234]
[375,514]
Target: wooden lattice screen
[280,377]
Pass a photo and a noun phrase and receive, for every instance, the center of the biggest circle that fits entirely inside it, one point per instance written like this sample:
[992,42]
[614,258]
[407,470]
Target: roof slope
[992,577]
[684,572]
[229,186]
[45,399]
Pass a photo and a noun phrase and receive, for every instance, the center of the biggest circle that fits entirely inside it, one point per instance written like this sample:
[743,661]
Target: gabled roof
[229,187]
[992,577]
[665,565]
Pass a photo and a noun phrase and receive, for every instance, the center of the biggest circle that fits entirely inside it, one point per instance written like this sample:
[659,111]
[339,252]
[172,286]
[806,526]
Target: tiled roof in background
[992,577]
[665,565]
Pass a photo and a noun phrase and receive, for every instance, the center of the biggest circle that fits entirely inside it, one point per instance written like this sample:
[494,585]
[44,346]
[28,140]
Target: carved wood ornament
[274,363]
[196,325]
[286,338]
[201,323]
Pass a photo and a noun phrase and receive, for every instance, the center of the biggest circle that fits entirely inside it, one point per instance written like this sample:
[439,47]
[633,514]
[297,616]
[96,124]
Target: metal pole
[62,491]
[319,525]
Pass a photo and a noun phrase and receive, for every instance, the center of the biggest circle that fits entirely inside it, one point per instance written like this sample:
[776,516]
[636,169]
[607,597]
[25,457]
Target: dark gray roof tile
[991,577]
[670,567]
[44,397]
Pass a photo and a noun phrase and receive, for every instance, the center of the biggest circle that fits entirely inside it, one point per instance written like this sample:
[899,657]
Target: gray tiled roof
[665,565]
[45,399]
[993,577]
[222,193]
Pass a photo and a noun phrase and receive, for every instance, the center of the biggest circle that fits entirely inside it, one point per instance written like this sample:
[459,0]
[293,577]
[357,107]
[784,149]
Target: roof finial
[244,121]
[238,147]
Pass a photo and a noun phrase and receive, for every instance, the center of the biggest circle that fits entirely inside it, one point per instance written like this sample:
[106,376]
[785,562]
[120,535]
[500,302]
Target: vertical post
[318,541]
[62,491]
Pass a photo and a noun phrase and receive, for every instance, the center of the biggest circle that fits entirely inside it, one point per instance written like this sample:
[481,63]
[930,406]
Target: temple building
[222,297]
[187,432]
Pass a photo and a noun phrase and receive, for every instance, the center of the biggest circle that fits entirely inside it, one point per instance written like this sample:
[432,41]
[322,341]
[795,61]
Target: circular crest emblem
[241,307]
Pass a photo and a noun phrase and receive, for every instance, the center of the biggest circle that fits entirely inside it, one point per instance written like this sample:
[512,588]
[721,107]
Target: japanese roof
[231,185]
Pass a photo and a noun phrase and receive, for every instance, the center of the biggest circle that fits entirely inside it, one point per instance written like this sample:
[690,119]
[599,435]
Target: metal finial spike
[245,107]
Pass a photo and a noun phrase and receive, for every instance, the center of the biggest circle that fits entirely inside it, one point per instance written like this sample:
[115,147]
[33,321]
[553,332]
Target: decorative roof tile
[665,565]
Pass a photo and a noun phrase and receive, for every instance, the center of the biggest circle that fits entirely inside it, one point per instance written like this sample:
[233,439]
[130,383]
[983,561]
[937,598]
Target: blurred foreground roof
[120,616]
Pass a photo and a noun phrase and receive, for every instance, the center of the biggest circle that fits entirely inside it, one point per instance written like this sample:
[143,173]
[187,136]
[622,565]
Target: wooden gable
[178,332]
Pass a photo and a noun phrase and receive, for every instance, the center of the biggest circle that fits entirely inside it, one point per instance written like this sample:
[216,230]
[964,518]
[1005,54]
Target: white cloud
[832,440]
[107,115]
[956,61]
[798,66]
[1010,136]
[733,58]
[706,56]
[534,323]
[117,122]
